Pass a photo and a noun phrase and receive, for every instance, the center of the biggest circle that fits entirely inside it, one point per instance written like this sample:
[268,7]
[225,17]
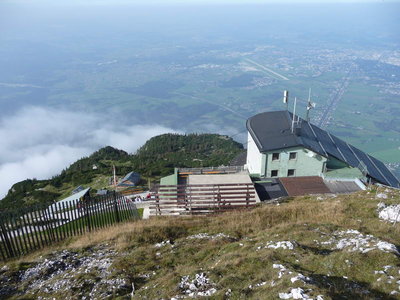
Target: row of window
[292,155]
[290,172]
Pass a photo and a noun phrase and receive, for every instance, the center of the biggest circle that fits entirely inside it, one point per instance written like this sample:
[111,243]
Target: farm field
[207,77]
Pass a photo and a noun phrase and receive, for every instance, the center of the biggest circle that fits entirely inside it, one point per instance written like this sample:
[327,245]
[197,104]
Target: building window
[290,172]
[274,173]
[275,156]
[292,155]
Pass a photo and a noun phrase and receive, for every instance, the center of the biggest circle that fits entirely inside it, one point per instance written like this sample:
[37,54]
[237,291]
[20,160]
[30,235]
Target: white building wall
[254,157]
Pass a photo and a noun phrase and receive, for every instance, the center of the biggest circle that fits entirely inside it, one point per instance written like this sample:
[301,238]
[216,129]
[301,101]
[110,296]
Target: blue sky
[115,2]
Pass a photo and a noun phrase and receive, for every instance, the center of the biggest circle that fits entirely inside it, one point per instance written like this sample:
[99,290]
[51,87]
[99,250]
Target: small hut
[130,180]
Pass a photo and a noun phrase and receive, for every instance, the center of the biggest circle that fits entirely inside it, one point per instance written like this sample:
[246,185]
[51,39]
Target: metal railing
[213,170]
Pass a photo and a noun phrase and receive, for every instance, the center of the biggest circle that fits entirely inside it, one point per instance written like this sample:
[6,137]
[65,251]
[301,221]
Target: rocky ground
[67,275]
[314,247]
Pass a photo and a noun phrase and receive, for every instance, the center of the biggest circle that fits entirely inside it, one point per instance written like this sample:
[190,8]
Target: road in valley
[334,99]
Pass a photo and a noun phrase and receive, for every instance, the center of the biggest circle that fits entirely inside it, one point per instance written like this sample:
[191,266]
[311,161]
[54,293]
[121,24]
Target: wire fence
[32,228]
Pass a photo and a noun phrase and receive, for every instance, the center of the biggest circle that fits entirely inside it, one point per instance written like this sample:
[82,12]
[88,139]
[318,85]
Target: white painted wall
[254,157]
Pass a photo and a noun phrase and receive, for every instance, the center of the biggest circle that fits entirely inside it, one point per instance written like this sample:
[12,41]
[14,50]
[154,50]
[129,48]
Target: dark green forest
[156,158]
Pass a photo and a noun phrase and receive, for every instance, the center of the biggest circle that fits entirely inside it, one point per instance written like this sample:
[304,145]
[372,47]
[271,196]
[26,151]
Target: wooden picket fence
[202,198]
[32,228]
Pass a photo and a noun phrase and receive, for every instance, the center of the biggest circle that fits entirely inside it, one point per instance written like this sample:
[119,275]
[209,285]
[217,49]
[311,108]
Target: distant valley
[211,76]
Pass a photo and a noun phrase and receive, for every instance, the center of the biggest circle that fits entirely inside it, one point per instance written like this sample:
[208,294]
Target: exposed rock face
[353,240]
[200,286]
[389,213]
[69,274]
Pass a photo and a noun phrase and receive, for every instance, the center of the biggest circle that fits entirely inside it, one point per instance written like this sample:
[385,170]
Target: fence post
[27,232]
[86,204]
[66,226]
[53,221]
[49,225]
[34,232]
[15,235]
[103,220]
[73,216]
[9,248]
[125,208]
[21,231]
[219,197]
[247,197]
[189,199]
[60,220]
[108,210]
[80,216]
[158,210]
[10,235]
[116,207]
[1,251]
[39,227]
[33,228]
[95,221]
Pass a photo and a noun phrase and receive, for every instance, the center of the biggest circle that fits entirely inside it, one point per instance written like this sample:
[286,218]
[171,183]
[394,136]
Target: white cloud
[39,143]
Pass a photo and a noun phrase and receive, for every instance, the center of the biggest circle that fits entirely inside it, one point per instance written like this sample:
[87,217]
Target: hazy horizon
[170,66]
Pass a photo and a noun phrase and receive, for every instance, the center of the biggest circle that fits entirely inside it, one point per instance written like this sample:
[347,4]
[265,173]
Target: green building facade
[299,161]
[296,161]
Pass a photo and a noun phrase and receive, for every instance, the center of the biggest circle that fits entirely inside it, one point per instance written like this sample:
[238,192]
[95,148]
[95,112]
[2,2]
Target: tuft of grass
[239,262]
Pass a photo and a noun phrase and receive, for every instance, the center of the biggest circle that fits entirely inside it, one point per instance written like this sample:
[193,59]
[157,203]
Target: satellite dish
[311,154]
[310,105]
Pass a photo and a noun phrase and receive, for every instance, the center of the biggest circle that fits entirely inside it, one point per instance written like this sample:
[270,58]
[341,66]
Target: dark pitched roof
[130,179]
[77,189]
[272,131]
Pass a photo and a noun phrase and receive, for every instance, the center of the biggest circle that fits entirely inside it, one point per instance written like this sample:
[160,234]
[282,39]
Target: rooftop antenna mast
[310,105]
[294,113]
[114,178]
[286,99]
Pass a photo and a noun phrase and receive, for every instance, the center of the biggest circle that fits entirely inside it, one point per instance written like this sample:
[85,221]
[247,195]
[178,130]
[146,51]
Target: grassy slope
[235,263]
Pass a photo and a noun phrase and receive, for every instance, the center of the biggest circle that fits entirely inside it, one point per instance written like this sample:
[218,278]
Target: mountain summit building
[279,146]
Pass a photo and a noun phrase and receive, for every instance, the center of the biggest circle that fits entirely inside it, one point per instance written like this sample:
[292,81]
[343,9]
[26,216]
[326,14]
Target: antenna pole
[310,106]
[294,113]
[286,99]
[114,178]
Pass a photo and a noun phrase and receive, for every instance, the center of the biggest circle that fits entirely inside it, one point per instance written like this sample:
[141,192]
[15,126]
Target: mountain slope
[322,247]
[156,158]
[162,153]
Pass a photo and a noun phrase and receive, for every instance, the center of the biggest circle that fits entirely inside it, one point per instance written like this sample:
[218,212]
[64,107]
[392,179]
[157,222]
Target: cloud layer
[39,142]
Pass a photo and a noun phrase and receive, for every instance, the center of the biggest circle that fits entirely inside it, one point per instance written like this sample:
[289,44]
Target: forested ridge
[156,158]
